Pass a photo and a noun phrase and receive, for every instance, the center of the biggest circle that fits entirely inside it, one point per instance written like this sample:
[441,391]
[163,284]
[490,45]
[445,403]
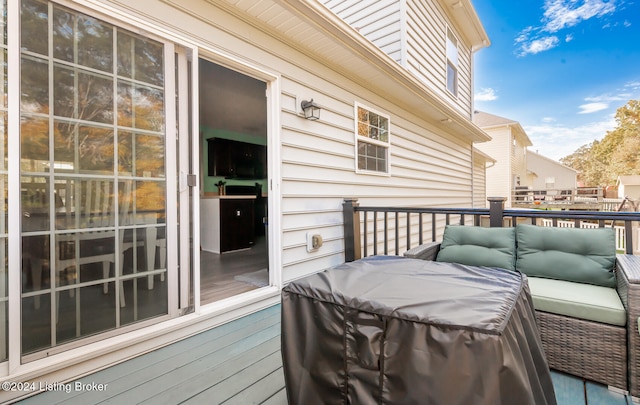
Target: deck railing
[393,230]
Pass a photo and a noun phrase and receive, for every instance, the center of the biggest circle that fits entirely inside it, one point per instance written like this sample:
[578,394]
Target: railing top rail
[619,216]
[473,211]
[594,215]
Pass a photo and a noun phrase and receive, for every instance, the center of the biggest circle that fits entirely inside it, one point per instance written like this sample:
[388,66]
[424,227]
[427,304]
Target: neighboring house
[545,173]
[629,186]
[111,106]
[481,161]
[508,146]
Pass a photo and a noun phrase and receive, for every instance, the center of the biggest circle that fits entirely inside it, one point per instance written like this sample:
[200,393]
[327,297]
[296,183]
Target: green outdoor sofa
[586,297]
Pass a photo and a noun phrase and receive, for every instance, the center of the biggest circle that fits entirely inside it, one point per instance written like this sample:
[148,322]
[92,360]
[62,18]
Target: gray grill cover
[406,331]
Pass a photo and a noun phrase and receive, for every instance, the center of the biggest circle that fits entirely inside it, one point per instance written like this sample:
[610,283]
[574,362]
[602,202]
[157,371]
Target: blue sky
[559,67]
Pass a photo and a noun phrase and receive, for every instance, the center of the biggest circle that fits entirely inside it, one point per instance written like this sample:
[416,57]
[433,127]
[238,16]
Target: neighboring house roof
[550,160]
[633,180]
[483,155]
[488,121]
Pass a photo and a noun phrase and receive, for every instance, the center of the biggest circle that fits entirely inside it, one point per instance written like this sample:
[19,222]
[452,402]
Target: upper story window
[372,140]
[452,63]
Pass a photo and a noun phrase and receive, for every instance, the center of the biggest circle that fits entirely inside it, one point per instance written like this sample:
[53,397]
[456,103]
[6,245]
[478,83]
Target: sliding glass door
[94,102]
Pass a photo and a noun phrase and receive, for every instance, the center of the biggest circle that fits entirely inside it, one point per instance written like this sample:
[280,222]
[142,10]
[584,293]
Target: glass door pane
[93,181]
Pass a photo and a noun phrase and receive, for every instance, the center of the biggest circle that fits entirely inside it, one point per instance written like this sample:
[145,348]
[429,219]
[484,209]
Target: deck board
[173,374]
[240,384]
[239,363]
[569,389]
[202,382]
[599,395]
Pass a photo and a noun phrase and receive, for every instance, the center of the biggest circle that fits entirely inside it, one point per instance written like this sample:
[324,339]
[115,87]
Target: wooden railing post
[351,230]
[496,210]
[599,194]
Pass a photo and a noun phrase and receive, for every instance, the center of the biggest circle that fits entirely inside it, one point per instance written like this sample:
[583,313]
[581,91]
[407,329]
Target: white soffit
[317,32]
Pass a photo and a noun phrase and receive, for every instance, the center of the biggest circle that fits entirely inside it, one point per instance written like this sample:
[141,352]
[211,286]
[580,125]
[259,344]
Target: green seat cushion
[577,300]
[569,254]
[478,246]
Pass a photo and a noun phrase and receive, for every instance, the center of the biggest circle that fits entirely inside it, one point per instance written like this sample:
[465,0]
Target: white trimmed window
[372,140]
[452,63]
[550,182]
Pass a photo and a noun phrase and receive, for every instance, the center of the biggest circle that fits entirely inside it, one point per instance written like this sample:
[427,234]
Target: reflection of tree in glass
[150,196]
[150,155]
[82,95]
[140,107]
[34,139]
[33,25]
[140,59]
[34,85]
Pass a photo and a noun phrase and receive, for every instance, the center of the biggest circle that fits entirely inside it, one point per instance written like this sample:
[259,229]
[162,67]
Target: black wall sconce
[311,110]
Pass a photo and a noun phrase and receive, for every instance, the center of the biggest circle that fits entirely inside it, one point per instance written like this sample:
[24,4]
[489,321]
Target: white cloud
[606,98]
[548,119]
[558,141]
[632,85]
[601,102]
[487,94]
[592,107]
[560,15]
[539,45]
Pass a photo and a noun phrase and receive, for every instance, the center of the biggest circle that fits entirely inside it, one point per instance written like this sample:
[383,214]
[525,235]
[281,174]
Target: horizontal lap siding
[479,178]
[318,171]
[378,21]
[429,167]
[499,173]
[426,52]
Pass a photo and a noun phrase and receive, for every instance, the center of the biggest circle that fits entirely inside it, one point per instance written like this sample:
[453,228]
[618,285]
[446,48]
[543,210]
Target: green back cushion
[570,254]
[478,246]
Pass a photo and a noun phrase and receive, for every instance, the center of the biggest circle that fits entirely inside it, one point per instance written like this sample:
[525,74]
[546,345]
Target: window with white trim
[452,63]
[550,182]
[372,140]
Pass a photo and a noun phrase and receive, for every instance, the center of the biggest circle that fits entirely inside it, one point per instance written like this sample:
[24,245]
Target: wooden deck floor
[236,363]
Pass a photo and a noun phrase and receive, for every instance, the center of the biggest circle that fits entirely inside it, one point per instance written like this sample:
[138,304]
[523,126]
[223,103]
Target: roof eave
[441,112]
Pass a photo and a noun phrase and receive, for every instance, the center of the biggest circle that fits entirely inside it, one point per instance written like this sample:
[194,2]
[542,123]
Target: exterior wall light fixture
[311,110]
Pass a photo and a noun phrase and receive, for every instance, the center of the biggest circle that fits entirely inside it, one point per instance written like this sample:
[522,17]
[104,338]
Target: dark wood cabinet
[227,223]
[236,224]
[236,160]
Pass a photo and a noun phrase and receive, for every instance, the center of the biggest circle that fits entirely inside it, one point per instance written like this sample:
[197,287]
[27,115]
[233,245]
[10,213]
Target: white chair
[93,208]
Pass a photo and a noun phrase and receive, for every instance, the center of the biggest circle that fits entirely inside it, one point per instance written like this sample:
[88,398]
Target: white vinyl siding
[518,163]
[317,173]
[500,174]
[544,168]
[427,52]
[414,34]
[379,21]
[479,182]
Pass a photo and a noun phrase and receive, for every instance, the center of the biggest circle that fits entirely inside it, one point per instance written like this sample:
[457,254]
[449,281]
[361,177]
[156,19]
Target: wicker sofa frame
[592,350]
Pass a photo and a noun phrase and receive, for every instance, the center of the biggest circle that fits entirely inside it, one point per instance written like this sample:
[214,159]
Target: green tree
[617,154]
